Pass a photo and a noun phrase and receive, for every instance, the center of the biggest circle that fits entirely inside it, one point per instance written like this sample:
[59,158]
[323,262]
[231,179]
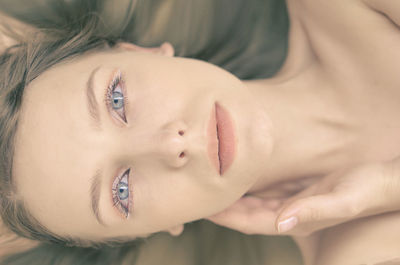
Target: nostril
[181,132]
[182,154]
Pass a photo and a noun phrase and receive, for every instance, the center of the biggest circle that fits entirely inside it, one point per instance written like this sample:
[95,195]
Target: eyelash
[116,82]
[125,209]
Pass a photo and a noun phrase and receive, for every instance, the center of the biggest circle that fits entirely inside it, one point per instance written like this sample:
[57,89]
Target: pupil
[117,100]
[123,191]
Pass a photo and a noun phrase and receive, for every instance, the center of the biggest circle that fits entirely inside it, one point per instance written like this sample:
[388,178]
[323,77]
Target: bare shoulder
[390,8]
[373,240]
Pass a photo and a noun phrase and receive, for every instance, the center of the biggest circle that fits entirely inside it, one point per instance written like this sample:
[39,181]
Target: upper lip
[213,142]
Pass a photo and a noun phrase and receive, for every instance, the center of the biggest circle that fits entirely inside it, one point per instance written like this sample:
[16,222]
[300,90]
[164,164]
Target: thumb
[313,213]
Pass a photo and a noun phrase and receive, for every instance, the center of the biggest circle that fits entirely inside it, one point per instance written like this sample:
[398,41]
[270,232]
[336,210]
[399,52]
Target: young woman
[245,53]
[160,141]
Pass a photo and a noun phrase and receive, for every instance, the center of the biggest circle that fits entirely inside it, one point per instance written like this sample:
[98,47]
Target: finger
[253,202]
[249,215]
[389,188]
[307,193]
[254,222]
[316,212]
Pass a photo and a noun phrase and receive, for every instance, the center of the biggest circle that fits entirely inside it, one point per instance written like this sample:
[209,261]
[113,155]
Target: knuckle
[352,210]
[312,214]
[390,179]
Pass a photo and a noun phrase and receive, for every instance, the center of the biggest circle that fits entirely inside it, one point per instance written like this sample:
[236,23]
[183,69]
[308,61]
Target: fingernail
[287,224]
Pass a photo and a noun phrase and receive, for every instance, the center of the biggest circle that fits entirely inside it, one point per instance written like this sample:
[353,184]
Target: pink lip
[221,139]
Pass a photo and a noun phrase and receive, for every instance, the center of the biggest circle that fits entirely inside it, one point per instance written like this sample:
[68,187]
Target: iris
[123,191]
[117,100]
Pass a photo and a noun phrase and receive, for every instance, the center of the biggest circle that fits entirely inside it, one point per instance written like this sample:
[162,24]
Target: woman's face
[126,132]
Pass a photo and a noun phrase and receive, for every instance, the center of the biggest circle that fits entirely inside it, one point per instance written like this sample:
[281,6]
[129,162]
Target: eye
[121,193]
[115,97]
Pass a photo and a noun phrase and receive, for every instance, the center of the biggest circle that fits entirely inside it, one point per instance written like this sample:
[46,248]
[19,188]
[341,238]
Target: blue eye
[117,100]
[121,193]
[115,96]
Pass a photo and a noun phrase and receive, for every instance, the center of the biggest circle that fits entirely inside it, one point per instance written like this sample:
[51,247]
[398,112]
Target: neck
[312,133]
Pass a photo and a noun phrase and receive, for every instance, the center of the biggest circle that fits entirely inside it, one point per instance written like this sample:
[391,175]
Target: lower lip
[226,138]
[221,143]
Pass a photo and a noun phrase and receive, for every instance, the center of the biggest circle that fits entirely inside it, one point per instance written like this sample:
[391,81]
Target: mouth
[221,139]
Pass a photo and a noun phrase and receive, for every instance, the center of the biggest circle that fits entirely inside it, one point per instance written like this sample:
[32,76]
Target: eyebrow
[93,106]
[94,114]
[95,190]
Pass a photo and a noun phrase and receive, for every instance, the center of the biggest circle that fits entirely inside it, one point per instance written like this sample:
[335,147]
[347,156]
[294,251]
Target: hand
[343,196]
[256,214]
[365,190]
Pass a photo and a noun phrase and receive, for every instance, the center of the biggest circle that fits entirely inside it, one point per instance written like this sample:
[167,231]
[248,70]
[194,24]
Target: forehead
[54,154]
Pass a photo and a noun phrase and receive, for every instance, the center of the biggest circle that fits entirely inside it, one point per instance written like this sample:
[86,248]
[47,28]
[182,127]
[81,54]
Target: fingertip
[287,220]
[287,224]
[286,213]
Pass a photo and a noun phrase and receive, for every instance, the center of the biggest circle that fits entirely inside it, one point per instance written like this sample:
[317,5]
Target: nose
[173,144]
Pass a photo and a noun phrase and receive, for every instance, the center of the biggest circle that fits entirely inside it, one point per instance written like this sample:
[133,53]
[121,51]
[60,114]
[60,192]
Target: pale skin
[168,107]
[353,44]
[312,119]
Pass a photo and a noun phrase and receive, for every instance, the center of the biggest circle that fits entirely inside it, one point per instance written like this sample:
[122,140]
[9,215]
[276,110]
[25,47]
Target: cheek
[153,103]
[162,201]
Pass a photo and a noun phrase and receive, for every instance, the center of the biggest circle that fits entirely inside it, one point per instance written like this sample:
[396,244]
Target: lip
[221,145]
